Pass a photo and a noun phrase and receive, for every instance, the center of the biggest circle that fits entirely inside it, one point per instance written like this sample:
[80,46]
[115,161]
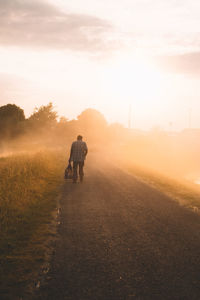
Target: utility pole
[130,116]
[170,126]
[190,118]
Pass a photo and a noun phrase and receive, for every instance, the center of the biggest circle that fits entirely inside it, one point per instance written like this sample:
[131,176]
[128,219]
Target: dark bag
[69,172]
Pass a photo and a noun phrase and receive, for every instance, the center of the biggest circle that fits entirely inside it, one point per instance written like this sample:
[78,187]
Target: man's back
[78,151]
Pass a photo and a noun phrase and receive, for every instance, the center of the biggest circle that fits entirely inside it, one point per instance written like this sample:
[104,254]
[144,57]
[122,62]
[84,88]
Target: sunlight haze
[106,55]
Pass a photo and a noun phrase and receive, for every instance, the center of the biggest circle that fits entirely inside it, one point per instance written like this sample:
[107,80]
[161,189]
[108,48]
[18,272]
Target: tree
[11,119]
[92,124]
[63,120]
[43,117]
[92,119]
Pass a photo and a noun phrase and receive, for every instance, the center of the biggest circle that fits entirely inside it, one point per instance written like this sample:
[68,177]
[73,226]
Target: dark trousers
[76,165]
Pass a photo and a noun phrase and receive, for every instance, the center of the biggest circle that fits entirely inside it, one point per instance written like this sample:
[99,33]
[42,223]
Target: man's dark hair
[79,137]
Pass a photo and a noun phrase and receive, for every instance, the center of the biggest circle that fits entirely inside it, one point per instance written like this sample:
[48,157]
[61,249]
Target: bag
[68,172]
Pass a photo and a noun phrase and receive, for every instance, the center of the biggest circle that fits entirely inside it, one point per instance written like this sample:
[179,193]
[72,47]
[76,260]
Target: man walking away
[78,154]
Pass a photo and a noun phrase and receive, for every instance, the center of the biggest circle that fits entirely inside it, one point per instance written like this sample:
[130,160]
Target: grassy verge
[186,193]
[29,186]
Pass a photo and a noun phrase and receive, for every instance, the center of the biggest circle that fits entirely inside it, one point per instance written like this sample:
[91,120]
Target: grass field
[29,185]
[183,191]
[29,188]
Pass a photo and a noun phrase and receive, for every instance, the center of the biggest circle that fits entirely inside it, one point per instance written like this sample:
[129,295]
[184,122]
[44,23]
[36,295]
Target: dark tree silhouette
[43,117]
[11,119]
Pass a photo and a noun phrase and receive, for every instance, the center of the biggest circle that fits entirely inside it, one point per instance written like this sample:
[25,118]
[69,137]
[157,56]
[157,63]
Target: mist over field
[173,153]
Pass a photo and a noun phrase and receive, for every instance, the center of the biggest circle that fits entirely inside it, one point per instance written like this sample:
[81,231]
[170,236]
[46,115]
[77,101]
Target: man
[78,154]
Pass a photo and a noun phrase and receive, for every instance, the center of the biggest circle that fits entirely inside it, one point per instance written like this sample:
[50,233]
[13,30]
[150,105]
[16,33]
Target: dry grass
[29,185]
[183,191]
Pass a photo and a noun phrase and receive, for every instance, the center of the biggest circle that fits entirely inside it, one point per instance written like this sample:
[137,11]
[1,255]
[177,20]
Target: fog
[175,154]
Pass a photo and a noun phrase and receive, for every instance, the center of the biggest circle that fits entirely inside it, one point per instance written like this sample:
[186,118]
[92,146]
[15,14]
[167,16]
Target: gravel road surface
[120,239]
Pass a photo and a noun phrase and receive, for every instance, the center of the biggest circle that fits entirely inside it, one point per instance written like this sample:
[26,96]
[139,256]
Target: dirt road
[119,239]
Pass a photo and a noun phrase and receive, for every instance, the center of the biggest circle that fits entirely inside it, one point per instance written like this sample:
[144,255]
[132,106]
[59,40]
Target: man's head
[79,138]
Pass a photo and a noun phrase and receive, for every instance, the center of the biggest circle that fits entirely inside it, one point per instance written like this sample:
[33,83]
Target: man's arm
[86,149]
[71,152]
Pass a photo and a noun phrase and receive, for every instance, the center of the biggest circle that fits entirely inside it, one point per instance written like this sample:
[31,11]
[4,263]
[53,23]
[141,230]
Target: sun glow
[135,80]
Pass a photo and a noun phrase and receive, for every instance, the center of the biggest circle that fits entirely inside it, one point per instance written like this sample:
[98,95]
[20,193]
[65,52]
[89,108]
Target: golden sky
[104,54]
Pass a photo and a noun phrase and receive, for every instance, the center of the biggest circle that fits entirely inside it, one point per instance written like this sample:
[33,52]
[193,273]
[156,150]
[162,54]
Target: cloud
[188,63]
[40,24]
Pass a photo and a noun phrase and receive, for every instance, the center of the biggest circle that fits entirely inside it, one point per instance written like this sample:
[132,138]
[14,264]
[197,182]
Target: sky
[111,55]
